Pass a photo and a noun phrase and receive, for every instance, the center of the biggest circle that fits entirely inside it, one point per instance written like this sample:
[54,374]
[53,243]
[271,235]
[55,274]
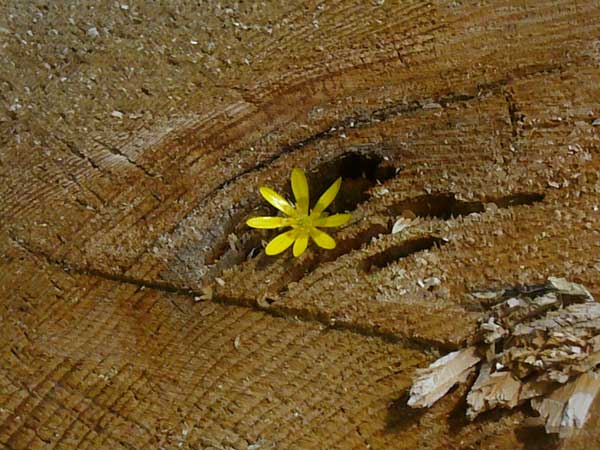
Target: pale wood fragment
[561,344]
[437,379]
[566,409]
[491,390]
[502,389]
[540,343]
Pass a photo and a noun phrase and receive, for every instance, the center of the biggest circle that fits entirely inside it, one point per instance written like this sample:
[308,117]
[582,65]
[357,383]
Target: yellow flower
[304,223]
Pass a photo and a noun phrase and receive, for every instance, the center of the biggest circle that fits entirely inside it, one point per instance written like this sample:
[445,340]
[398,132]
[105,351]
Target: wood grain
[475,120]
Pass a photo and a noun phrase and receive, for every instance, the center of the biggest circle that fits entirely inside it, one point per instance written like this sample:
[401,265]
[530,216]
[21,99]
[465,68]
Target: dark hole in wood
[399,251]
[446,205]
[524,198]
[443,206]
[360,171]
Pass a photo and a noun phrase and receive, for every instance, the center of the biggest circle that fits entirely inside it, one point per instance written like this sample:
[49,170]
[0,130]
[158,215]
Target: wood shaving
[539,343]
[567,408]
[402,224]
[436,380]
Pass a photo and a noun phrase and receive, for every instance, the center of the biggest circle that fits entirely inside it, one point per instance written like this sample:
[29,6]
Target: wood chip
[491,390]
[567,408]
[433,382]
[541,344]
[401,224]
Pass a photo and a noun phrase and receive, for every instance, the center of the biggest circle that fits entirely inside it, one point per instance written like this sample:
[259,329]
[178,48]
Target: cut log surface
[138,310]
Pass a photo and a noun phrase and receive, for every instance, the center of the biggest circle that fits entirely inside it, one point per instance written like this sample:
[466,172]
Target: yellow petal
[281,242]
[327,197]
[300,244]
[277,201]
[337,220]
[268,222]
[300,189]
[322,239]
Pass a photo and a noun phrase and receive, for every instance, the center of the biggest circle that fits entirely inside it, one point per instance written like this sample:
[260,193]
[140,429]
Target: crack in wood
[417,343]
[446,205]
[401,250]
[117,152]
[78,153]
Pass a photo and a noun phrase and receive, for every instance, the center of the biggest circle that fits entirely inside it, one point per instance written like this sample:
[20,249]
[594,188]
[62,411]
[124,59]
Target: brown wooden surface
[133,140]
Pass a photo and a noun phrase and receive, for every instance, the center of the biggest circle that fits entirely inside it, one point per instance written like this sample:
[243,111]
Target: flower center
[304,221]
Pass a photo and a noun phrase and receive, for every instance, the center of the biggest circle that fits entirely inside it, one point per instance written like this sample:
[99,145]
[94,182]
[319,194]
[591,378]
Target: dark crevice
[523,198]
[446,205]
[280,311]
[399,251]
[299,268]
[360,171]
[78,153]
[363,329]
[443,206]
[83,189]
[238,241]
[89,271]
[237,248]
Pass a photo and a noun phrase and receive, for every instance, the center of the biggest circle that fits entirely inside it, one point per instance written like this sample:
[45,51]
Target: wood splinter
[538,343]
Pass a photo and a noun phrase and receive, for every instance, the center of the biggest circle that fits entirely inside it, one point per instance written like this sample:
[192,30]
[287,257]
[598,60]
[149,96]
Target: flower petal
[281,242]
[322,239]
[337,220]
[327,197]
[268,222]
[300,189]
[277,201]
[300,244]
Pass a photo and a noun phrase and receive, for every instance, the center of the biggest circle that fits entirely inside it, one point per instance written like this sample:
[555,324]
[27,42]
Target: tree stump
[138,309]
